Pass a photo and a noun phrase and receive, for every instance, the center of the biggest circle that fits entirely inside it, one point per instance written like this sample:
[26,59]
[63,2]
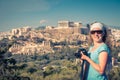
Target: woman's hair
[106,37]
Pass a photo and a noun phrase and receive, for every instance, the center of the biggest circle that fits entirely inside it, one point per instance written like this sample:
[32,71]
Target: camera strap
[84,70]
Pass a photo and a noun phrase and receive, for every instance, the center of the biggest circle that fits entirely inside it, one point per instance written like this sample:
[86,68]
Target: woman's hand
[83,57]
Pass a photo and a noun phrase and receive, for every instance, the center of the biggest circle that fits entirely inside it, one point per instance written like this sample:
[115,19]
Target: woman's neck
[97,44]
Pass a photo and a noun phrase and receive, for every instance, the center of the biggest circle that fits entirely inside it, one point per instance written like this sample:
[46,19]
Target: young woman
[98,54]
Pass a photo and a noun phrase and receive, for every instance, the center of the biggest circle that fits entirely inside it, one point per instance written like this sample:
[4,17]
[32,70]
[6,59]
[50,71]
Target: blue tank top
[92,74]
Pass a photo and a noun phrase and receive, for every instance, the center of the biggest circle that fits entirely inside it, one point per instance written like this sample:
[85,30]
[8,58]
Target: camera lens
[78,53]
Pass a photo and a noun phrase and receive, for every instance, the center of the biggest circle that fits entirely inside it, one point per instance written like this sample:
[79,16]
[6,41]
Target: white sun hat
[97,25]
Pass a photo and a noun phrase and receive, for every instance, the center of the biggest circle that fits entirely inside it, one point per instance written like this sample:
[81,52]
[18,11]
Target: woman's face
[97,35]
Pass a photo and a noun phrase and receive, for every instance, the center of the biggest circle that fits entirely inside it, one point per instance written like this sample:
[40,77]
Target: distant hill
[40,28]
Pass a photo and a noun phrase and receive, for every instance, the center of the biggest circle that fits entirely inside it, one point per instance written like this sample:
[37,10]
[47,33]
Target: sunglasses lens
[100,32]
[97,31]
[92,32]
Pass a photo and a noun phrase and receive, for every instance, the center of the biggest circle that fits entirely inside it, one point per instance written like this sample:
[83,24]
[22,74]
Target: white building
[65,24]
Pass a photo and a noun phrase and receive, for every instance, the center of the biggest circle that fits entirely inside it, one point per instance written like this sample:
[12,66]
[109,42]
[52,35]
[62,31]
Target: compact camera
[78,53]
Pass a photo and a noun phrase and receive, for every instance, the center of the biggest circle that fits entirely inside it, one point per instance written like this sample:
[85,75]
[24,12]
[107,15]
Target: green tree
[7,64]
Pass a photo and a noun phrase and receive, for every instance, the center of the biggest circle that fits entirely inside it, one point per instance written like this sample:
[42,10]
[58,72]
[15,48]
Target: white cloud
[43,21]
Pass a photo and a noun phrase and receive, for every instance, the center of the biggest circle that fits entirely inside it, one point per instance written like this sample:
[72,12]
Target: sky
[34,13]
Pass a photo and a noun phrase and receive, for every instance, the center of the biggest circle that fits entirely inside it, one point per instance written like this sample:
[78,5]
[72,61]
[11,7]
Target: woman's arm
[102,61]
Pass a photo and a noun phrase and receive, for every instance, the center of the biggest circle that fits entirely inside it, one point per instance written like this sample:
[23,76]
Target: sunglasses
[96,31]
